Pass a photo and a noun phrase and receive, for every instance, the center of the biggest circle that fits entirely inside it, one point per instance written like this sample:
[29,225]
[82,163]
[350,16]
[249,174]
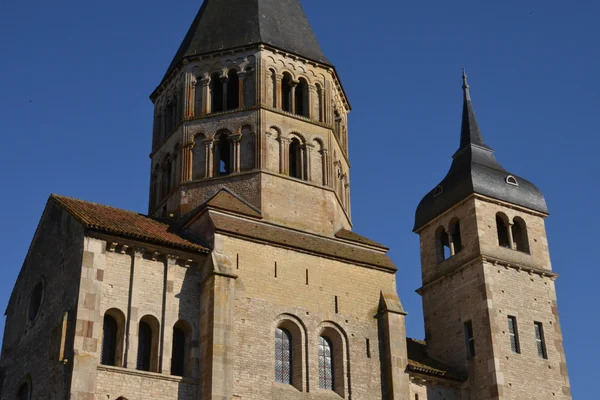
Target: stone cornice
[150,375]
[489,260]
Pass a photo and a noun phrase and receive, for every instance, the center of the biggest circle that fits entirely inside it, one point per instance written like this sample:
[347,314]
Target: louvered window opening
[325,364]
[514,335]
[469,339]
[283,357]
[539,338]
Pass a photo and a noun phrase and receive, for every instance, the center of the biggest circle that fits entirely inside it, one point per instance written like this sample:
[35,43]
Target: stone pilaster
[294,86]
[235,152]
[131,344]
[208,158]
[278,80]
[308,149]
[168,318]
[241,88]
[205,82]
[284,145]
[394,358]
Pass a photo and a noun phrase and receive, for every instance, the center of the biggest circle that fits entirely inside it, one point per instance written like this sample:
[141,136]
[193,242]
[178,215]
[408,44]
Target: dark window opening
[513,332]
[224,155]
[469,339]
[23,393]
[274,88]
[286,93]
[337,129]
[109,341]
[540,340]
[35,303]
[216,93]
[519,233]
[456,237]
[295,159]
[301,98]
[443,245]
[144,347]
[178,352]
[502,228]
[326,367]
[283,356]
[233,90]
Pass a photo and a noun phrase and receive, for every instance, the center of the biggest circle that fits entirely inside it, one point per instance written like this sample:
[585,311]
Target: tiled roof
[312,243]
[124,223]
[355,237]
[420,361]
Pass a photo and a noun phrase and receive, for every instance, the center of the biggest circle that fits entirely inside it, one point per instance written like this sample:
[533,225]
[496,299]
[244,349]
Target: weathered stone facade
[246,282]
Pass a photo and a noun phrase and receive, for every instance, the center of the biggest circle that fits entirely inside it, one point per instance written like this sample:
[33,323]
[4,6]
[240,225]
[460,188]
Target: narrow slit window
[469,339]
[513,333]
[540,340]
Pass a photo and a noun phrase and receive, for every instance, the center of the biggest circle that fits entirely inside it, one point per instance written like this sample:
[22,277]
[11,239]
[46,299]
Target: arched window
[301,98]
[337,127]
[35,302]
[283,356]
[442,243]
[456,243]
[223,155]
[147,357]
[286,92]
[216,93]
[504,239]
[180,353]
[233,90]
[112,338]
[24,392]
[519,234]
[295,159]
[326,367]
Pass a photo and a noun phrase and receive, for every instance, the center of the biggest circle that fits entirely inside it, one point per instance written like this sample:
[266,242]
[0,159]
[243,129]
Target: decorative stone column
[325,170]
[235,152]
[224,79]
[241,88]
[284,145]
[208,158]
[309,148]
[168,318]
[278,96]
[187,156]
[192,99]
[294,85]
[511,239]
[205,83]
[312,103]
[131,334]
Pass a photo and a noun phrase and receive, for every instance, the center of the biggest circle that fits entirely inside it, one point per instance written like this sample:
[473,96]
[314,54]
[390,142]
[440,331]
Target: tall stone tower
[488,290]
[251,103]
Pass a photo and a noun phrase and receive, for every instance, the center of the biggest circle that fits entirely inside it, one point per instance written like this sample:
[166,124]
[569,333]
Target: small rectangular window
[513,332]
[469,339]
[540,340]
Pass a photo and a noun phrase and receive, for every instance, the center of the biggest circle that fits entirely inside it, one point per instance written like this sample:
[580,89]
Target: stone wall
[40,347]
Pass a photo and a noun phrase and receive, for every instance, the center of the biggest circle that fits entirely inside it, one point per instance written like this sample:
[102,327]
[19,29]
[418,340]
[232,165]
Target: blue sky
[76,120]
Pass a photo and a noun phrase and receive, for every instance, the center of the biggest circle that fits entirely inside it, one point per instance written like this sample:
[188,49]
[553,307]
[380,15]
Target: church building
[245,280]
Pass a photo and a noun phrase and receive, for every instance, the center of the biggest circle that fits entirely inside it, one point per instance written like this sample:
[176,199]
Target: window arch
[442,244]
[24,392]
[519,234]
[222,151]
[331,360]
[35,301]
[455,236]
[283,356]
[504,234]
[147,357]
[216,93]
[296,162]
[180,352]
[112,338]
[286,92]
[233,90]
[301,98]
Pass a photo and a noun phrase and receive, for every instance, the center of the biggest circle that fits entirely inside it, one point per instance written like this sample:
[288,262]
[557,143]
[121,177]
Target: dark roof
[228,24]
[355,237]
[475,170]
[419,361]
[127,224]
[312,243]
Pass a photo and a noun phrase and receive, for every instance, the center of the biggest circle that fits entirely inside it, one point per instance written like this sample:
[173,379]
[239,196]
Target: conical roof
[475,170]
[228,24]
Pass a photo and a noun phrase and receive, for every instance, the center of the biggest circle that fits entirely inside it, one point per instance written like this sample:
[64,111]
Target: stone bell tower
[488,290]
[257,109]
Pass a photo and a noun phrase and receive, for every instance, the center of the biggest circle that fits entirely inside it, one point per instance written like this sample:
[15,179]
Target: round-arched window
[35,301]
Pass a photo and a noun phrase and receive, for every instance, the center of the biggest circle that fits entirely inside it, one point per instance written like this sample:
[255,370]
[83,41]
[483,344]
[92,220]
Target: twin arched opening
[512,235]
[448,243]
[224,91]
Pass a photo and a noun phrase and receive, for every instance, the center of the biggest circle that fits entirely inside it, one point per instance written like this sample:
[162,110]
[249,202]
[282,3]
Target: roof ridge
[59,197]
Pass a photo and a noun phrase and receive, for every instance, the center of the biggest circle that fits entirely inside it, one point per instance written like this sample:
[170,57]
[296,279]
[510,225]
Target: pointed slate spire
[229,24]
[470,132]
